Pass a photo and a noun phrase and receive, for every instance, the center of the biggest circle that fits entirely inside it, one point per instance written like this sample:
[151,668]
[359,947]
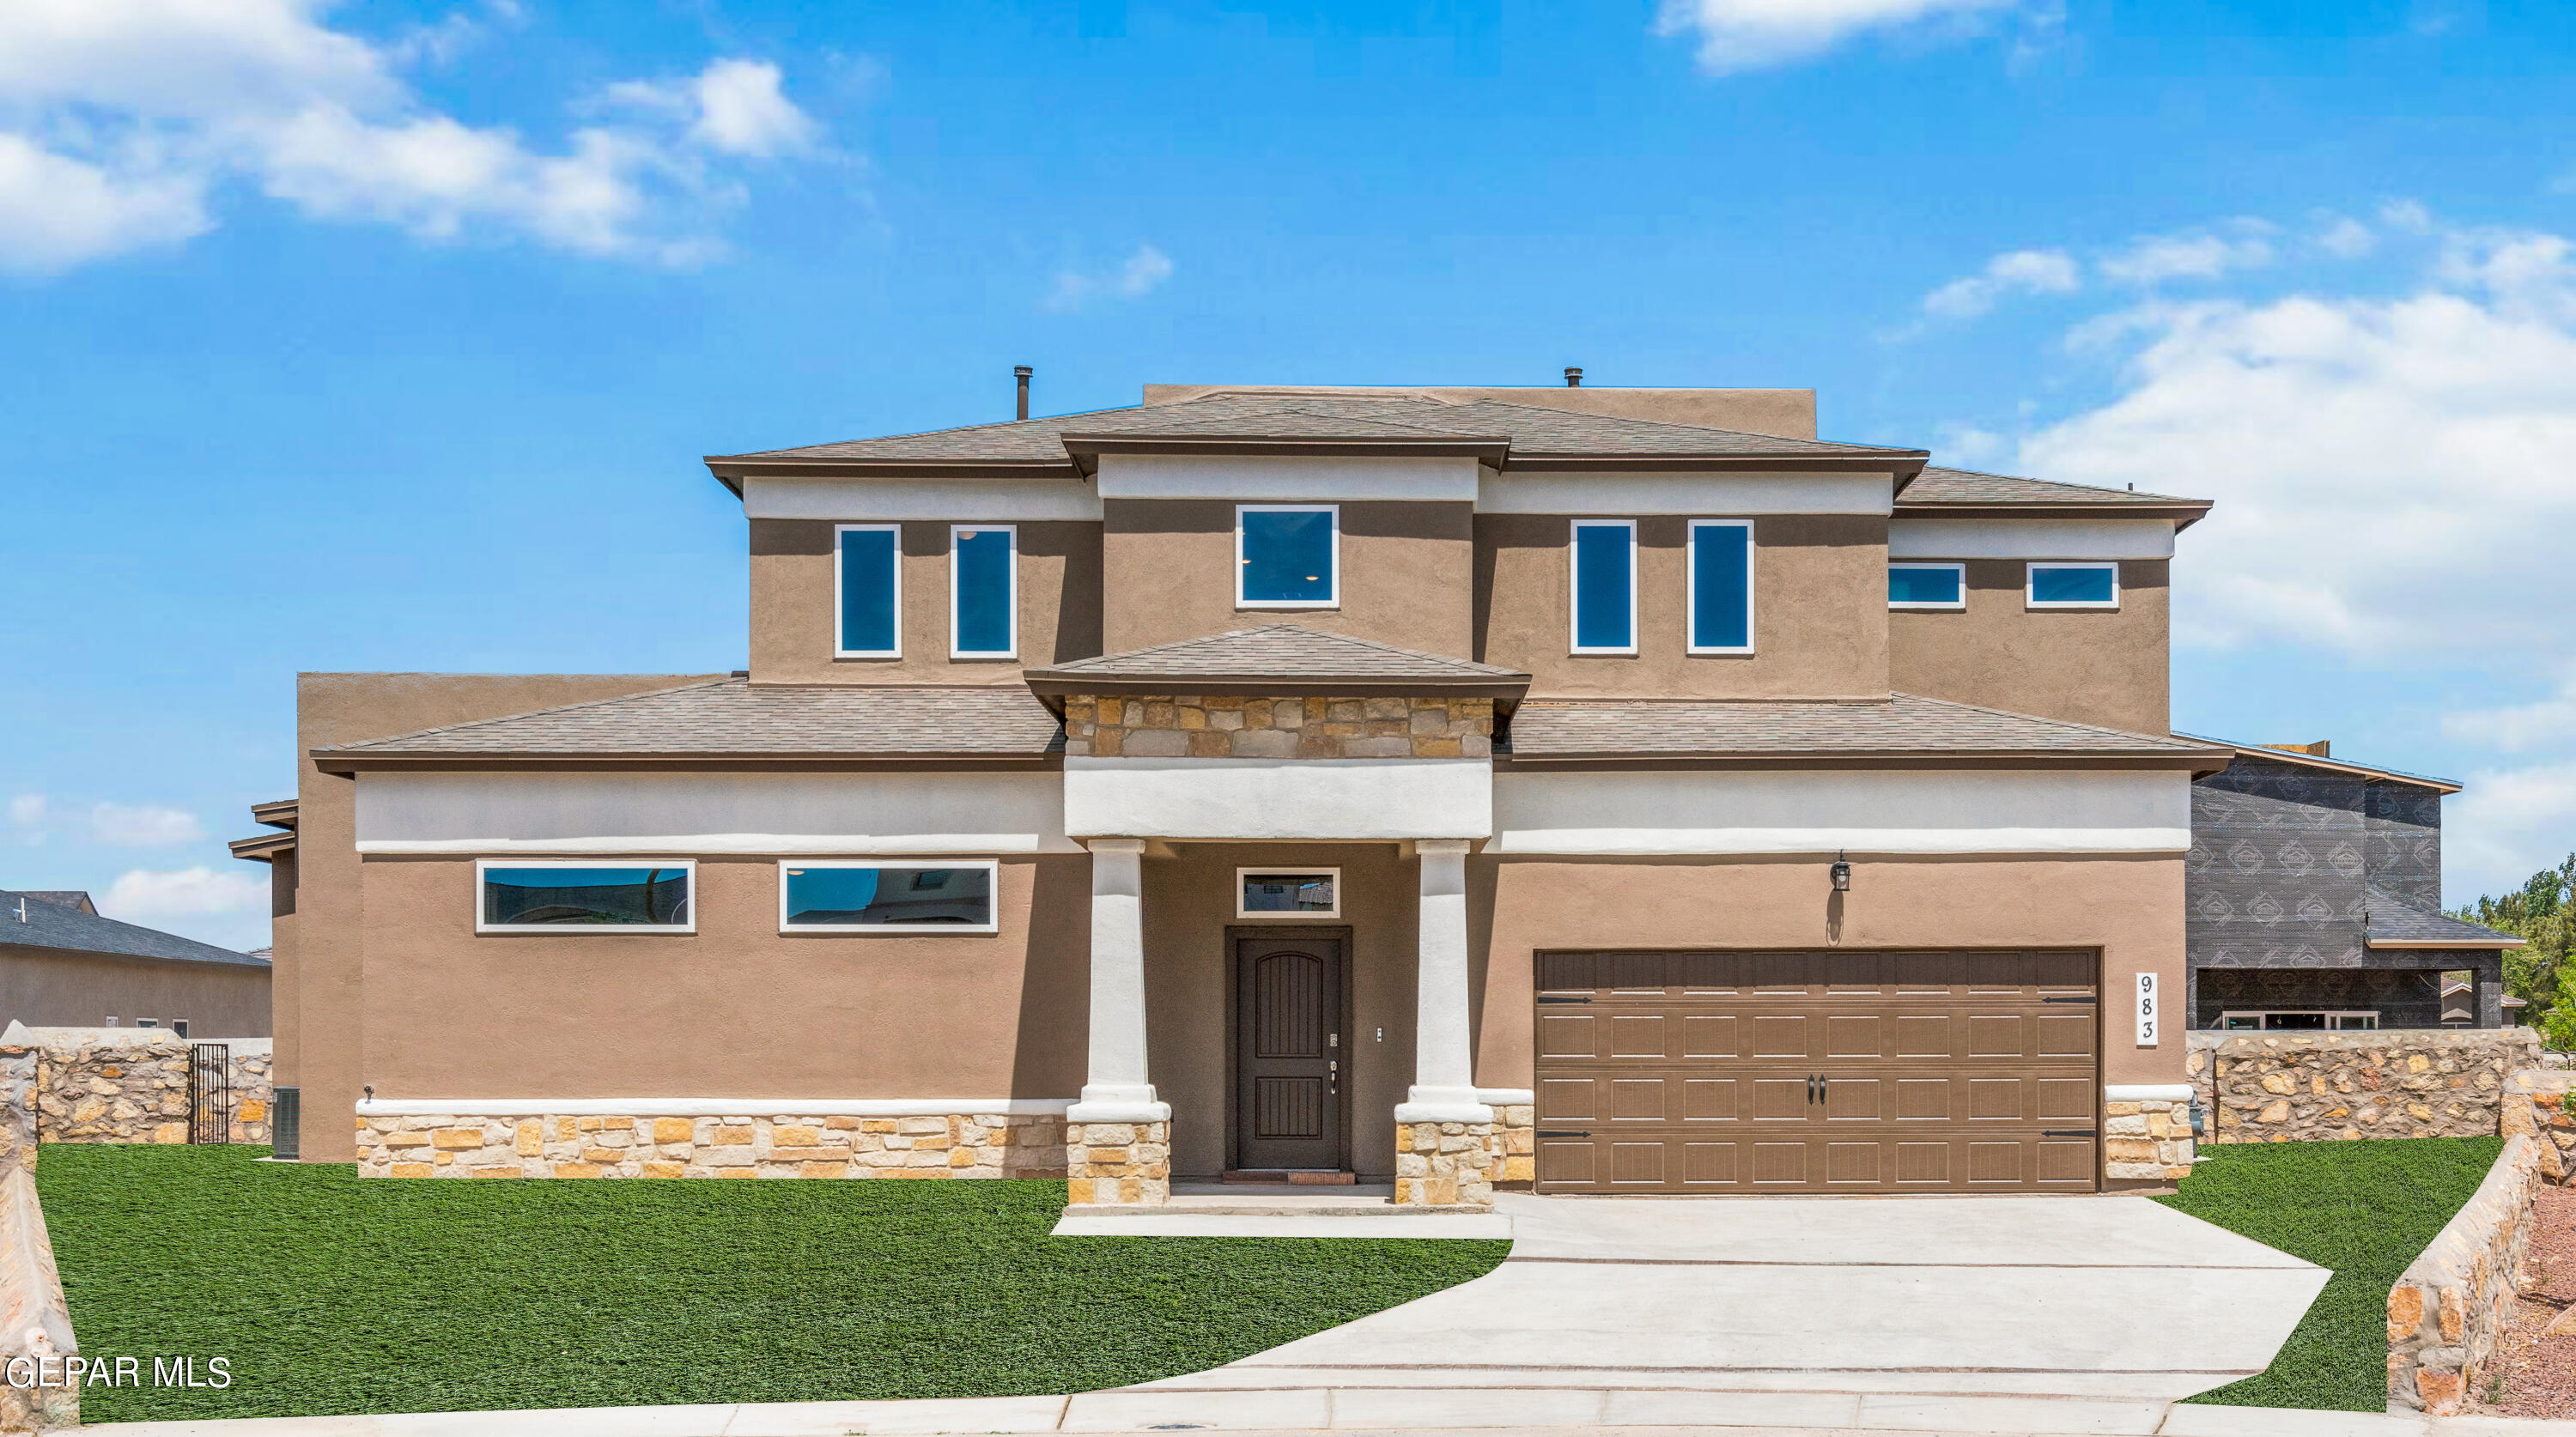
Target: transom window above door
[1288,893]
[1287,556]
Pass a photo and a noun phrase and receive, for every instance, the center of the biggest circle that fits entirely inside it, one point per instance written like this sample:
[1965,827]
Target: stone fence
[130,1085]
[2446,1313]
[37,1393]
[2536,1106]
[2393,1083]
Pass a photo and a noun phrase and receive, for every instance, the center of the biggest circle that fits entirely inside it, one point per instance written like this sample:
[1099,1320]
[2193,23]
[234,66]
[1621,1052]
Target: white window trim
[1574,586]
[992,888]
[1953,566]
[1690,595]
[2333,1016]
[839,610]
[688,866]
[1332,601]
[1297,870]
[957,591]
[2030,583]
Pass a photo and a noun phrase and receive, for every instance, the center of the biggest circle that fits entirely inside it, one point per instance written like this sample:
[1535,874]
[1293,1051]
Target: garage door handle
[1564,1133]
[2087,998]
[2068,1133]
[1544,998]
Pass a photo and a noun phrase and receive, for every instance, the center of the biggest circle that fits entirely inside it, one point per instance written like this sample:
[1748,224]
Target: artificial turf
[2364,1209]
[331,1295]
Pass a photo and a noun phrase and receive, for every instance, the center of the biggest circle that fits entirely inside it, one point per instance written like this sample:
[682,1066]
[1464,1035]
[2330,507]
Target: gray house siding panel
[2406,841]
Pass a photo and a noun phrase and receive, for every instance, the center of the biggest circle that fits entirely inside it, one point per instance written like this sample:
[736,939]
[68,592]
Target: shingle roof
[2396,923]
[1756,728]
[55,925]
[1936,488]
[1532,432]
[731,718]
[1275,652]
[62,897]
[2312,760]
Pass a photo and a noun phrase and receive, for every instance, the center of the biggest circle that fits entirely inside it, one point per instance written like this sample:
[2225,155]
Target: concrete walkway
[2005,1315]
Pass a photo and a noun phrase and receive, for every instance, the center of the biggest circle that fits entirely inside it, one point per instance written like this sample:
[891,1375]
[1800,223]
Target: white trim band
[1711,495]
[1443,1113]
[2146,1092]
[1859,842]
[711,1107]
[1911,537]
[790,845]
[970,501]
[1299,478]
[1506,1097]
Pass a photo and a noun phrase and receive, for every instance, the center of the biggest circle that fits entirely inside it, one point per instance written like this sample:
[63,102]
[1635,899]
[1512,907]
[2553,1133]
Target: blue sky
[368,336]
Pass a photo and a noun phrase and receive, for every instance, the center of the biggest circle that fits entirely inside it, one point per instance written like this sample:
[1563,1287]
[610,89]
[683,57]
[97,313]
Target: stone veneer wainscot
[751,1145]
[1216,726]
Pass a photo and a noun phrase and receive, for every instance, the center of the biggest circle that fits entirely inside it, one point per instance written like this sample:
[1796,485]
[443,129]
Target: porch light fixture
[1842,874]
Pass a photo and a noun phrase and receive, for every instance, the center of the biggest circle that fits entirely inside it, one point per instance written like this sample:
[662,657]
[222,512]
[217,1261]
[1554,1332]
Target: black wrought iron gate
[210,1096]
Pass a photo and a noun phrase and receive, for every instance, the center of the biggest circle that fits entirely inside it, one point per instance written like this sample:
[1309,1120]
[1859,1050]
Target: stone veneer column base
[957,1145]
[1512,1153]
[1445,1164]
[1121,1164]
[2147,1140]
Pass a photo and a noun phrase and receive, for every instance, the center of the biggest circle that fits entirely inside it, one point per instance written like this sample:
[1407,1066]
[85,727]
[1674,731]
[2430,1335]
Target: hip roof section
[48,923]
[1905,726]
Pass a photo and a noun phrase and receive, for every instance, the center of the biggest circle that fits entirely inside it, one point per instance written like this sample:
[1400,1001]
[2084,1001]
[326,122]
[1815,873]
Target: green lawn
[2364,1209]
[332,1295]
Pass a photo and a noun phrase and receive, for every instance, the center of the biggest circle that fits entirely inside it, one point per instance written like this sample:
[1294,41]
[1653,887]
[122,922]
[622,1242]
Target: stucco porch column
[1442,1132]
[1118,1138]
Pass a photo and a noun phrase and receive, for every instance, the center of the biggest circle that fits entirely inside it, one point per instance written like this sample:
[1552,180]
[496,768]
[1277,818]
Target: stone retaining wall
[750,1145]
[2446,1312]
[1216,726]
[35,1324]
[2536,1106]
[130,1085]
[2397,1083]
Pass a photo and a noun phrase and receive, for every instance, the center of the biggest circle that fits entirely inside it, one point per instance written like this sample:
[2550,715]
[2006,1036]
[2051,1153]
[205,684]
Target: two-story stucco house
[1605,790]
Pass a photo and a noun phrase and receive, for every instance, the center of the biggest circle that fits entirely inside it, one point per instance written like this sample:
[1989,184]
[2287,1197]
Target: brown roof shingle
[1907,724]
[1290,652]
[733,719]
[1966,488]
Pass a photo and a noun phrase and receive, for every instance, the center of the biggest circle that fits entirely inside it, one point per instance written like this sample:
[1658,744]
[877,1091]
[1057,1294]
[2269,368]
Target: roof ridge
[531,713]
[2052,483]
[1633,421]
[1035,419]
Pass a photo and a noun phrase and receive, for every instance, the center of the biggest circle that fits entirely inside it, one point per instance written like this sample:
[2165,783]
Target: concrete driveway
[2103,1297]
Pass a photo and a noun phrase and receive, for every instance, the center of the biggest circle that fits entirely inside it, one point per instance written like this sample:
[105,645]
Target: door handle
[1811,1089]
[1332,1077]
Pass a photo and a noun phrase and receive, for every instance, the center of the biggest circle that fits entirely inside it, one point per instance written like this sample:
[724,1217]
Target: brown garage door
[1817,1072]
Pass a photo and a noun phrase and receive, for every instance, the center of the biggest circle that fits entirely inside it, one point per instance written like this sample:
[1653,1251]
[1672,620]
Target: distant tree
[2543,914]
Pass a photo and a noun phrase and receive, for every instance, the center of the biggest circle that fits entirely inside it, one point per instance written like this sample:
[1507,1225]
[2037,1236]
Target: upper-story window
[868,587]
[1605,586]
[584,895]
[1927,586]
[1721,586]
[983,591]
[1287,556]
[2074,586]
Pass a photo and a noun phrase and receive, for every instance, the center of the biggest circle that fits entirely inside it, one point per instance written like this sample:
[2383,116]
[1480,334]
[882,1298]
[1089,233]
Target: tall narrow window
[1721,586]
[1605,586]
[870,591]
[1287,556]
[983,591]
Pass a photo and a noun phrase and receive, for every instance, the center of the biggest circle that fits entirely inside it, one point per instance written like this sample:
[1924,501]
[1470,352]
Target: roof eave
[280,813]
[1060,683]
[1086,449]
[2359,770]
[2182,515]
[1864,758]
[264,848]
[731,469]
[1904,464]
[343,764]
[2468,944]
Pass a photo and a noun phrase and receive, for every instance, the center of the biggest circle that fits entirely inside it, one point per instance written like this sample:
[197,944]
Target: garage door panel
[1698,1072]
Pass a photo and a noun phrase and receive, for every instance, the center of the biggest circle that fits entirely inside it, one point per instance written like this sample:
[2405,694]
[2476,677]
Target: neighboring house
[64,966]
[2316,900]
[1622,783]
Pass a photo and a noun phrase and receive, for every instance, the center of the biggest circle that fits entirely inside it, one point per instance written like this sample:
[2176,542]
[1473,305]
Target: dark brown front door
[1288,1051]
[1817,1072]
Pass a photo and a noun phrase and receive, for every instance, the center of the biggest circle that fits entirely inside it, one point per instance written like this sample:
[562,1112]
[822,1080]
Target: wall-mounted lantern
[1842,874]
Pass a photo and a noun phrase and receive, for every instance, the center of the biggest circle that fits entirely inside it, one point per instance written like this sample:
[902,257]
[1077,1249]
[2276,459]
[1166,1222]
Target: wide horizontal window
[831,896]
[1721,586]
[1287,556]
[1605,586]
[869,584]
[1288,893]
[585,897]
[2074,586]
[983,591]
[1927,586]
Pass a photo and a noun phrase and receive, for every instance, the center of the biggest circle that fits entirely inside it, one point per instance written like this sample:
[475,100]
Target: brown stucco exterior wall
[1189,904]
[1819,611]
[1169,566]
[736,1009]
[794,623]
[319,1043]
[2102,666]
[2129,908]
[52,988]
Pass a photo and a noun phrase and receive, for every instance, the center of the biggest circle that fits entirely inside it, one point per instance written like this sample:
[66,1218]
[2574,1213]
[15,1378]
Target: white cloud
[230,909]
[2346,238]
[26,810]
[2022,271]
[1142,274]
[2201,255]
[143,825]
[119,118]
[2390,474]
[2506,825]
[2519,728]
[1737,35]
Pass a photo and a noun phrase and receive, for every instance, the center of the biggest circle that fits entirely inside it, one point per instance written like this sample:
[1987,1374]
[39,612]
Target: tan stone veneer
[1219,726]
[2393,1083]
[750,1145]
[1445,1164]
[1120,1164]
[2455,1300]
[1513,1152]
[2536,1107]
[130,1085]
[2147,1139]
